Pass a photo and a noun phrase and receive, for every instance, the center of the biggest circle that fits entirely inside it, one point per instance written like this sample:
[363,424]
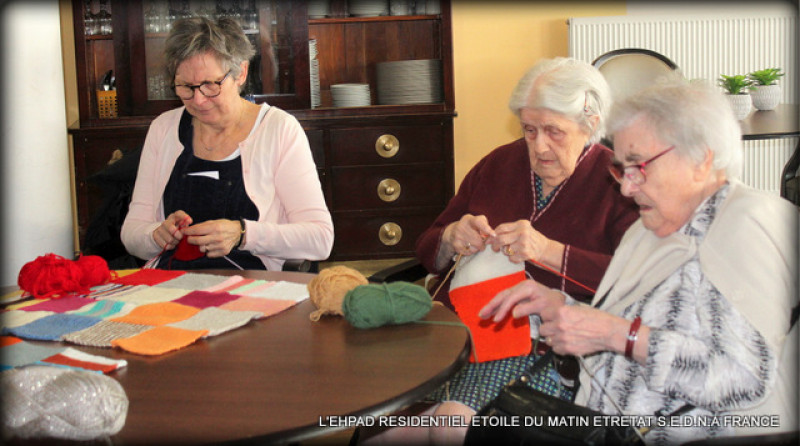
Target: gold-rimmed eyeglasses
[634,173]
[209,89]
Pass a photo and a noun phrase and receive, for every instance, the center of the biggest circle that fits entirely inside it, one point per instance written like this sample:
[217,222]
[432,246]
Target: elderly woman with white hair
[546,197]
[695,306]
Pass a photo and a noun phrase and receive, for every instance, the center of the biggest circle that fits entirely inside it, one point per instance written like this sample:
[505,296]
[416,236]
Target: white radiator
[705,49]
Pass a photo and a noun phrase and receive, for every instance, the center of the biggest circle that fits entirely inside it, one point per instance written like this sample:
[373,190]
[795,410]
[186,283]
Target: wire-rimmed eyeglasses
[634,173]
[209,89]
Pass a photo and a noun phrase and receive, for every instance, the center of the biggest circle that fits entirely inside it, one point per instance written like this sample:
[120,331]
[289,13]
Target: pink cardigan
[279,175]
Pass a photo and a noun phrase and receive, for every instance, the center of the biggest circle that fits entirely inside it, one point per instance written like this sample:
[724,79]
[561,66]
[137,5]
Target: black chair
[790,178]
[301,265]
[407,271]
[628,70]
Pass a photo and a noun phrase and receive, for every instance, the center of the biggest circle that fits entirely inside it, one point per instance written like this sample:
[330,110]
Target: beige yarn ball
[327,290]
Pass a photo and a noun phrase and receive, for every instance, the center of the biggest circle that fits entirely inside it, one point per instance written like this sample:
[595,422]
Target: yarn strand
[564,276]
[447,276]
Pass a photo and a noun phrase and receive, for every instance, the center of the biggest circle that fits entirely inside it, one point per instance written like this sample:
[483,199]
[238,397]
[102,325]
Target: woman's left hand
[581,330]
[520,242]
[216,238]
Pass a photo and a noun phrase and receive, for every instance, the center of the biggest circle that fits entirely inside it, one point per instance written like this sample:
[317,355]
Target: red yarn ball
[51,276]
[94,270]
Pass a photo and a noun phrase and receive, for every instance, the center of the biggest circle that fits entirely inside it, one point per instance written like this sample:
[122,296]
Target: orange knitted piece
[160,313]
[159,340]
[507,338]
[5,341]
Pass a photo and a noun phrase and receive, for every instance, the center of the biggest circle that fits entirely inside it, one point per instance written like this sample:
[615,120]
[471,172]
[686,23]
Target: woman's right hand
[168,234]
[468,235]
[523,299]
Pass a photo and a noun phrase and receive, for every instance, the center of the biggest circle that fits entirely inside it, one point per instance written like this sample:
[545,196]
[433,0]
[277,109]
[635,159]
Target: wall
[37,216]
[495,42]
[697,8]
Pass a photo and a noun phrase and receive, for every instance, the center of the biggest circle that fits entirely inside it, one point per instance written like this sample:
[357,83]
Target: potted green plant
[738,88]
[767,92]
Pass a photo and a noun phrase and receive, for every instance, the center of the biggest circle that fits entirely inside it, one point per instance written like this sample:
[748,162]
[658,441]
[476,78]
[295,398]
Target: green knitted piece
[374,305]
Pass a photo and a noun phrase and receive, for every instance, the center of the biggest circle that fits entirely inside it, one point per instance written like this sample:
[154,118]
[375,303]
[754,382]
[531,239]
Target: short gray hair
[194,36]
[693,116]
[567,86]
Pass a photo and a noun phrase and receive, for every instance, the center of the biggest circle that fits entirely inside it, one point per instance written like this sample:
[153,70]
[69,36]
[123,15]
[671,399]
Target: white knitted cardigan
[717,298]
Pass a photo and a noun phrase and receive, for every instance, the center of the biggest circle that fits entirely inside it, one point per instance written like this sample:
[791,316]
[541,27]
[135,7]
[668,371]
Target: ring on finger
[468,246]
[507,249]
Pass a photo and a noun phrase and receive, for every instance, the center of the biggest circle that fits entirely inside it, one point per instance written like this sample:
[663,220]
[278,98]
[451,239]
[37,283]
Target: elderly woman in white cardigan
[695,306]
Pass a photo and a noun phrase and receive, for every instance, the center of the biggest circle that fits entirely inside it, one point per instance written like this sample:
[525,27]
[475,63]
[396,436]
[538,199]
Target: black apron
[207,190]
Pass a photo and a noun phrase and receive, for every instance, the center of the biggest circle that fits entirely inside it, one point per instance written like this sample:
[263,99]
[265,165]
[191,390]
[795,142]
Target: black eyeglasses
[635,173]
[209,89]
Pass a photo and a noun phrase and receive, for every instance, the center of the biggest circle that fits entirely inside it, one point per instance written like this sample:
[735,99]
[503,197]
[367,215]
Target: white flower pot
[741,105]
[766,97]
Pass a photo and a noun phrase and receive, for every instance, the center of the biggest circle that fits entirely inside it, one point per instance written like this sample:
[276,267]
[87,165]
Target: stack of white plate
[409,82]
[313,67]
[350,95]
[318,9]
[368,8]
[399,7]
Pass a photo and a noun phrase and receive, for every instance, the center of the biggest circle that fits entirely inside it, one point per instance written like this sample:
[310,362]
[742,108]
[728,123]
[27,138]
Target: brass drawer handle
[389,190]
[387,146]
[390,234]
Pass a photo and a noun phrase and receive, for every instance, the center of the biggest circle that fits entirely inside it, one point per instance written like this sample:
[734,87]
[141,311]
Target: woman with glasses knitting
[223,182]
[696,304]
[546,197]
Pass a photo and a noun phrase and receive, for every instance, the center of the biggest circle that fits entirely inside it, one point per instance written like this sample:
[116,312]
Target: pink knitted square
[268,307]
[61,305]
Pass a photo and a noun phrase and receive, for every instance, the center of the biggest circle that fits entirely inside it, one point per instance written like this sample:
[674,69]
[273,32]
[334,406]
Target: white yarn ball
[55,402]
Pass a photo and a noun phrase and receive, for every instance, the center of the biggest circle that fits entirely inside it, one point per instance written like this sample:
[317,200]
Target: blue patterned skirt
[479,383]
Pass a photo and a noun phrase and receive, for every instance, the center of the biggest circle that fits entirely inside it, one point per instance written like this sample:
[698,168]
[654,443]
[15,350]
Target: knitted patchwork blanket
[151,312]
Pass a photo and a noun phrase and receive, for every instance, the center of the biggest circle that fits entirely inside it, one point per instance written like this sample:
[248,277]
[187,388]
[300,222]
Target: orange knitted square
[159,340]
[160,313]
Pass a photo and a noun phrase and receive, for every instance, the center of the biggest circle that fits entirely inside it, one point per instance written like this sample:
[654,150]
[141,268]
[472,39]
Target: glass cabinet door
[277,29]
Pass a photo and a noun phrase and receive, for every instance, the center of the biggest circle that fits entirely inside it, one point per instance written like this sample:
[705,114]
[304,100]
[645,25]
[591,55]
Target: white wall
[36,209]
[702,8]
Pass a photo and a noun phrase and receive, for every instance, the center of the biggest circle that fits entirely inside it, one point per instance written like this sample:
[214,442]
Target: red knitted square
[504,339]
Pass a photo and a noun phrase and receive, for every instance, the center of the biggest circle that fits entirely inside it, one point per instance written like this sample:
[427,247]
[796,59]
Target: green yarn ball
[375,305]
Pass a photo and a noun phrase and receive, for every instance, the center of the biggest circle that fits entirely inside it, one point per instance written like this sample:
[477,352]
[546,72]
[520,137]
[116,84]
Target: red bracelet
[633,334]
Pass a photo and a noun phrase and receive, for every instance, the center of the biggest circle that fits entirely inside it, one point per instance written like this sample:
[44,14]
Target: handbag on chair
[521,415]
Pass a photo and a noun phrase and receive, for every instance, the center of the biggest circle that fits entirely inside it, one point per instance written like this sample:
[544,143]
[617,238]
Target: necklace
[542,200]
[236,125]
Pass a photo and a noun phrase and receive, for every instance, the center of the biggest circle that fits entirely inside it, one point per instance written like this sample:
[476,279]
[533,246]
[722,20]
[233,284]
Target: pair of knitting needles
[183,223]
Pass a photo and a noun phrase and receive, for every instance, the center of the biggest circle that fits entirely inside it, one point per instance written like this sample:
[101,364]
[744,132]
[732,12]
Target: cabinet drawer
[388,186]
[371,237]
[387,145]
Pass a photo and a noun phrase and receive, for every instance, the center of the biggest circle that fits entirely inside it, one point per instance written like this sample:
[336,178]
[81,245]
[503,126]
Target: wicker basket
[107,103]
